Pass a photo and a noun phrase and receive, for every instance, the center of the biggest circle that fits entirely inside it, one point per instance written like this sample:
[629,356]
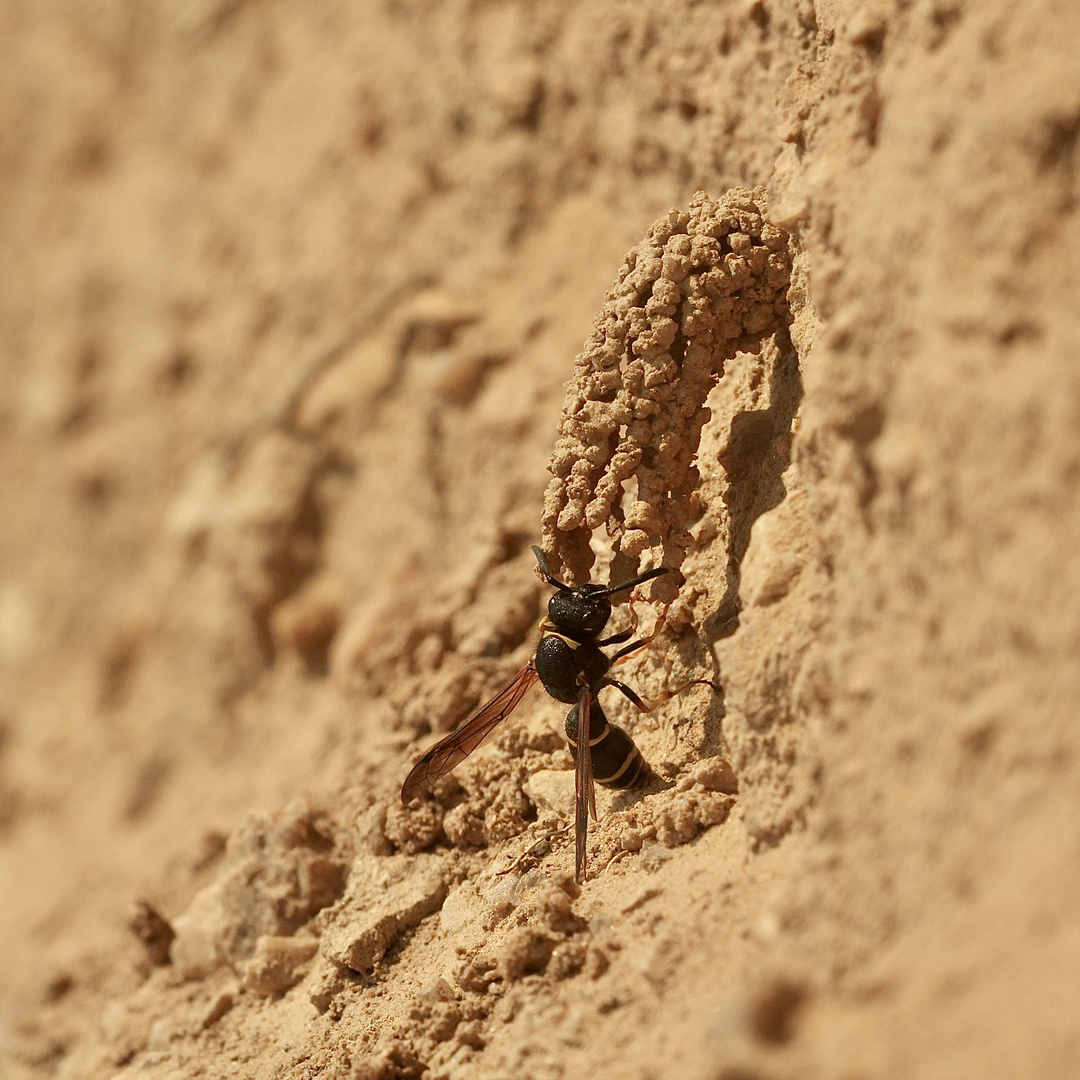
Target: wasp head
[583,612]
[580,613]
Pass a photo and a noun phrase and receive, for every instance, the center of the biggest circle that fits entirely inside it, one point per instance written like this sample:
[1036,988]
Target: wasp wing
[451,751]
[584,789]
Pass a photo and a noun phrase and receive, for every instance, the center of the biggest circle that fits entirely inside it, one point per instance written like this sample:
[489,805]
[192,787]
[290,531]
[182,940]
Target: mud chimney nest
[704,284]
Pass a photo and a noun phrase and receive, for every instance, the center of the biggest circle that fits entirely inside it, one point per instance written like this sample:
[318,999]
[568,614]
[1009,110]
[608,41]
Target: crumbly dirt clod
[278,963]
[153,930]
[279,870]
[704,284]
[385,898]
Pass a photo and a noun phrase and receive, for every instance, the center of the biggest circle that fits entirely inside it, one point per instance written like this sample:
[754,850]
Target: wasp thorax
[581,612]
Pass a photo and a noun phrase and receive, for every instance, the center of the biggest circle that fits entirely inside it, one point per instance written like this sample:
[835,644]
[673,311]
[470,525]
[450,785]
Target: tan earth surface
[289,296]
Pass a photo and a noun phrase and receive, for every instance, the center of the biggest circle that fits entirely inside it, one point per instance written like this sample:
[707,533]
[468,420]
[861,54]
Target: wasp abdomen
[616,761]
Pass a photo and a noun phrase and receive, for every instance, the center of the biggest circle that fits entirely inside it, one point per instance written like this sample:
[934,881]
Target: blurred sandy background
[289,294]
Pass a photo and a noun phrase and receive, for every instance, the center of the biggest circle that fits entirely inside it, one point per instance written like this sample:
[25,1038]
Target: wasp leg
[619,638]
[667,695]
[623,635]
[642,642]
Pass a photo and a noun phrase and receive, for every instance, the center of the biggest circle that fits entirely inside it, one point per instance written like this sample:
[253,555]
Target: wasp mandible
[572,667]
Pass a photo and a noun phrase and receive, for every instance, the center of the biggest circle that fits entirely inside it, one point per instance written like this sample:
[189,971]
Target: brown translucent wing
[450,752]
[584,789]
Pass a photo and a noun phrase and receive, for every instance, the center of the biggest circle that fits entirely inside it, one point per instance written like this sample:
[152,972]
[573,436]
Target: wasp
[570,663]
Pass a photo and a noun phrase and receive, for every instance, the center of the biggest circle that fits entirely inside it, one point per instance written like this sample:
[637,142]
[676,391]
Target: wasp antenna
[647,576]
[545,570]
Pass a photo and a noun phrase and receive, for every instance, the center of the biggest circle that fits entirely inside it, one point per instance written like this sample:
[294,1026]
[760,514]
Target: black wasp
[570,664]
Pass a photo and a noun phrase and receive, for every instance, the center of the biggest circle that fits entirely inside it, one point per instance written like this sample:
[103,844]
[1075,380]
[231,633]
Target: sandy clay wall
[289,293]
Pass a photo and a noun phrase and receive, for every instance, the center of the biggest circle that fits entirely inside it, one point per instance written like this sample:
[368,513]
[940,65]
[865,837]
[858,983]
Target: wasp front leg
[641,643]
